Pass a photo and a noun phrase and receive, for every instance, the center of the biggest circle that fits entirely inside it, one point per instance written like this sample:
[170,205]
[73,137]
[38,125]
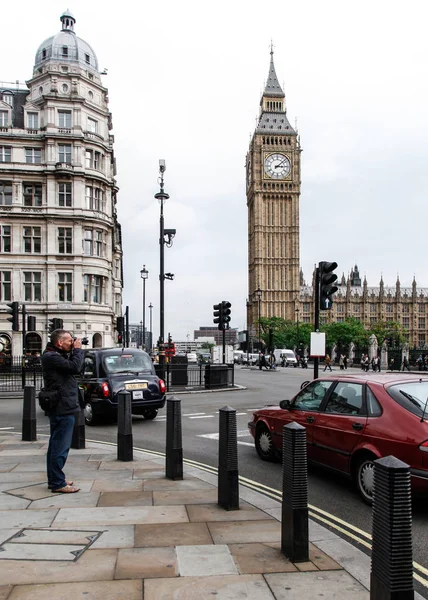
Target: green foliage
[207,346]
[286,334]
[343,334]
[388,329]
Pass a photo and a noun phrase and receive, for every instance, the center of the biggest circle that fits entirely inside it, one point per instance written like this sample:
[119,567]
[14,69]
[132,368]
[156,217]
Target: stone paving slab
[126,499]
[227,587]
[149,474]
[120,465]
[141,563]
[168,498]
[183,484]
[5,590]
[112,485]
[93,517]
[116,536]
[243,532]
[24,477]
[40,552]
[172,534]
[326,584]
[260,558]
[7,467]
[82,499]
[200,561]
[7,501]
[5,534]
[99,590]
[213,512]
[93,565]
[26,518]
[54,536]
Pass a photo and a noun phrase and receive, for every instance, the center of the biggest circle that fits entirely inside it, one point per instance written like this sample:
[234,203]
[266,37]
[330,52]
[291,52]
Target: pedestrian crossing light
[13,311]
[327,289]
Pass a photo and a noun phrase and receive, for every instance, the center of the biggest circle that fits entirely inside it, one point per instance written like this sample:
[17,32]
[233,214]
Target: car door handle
[310,419]
[357,426]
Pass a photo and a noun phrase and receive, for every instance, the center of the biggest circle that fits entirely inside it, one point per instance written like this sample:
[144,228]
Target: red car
[351,421]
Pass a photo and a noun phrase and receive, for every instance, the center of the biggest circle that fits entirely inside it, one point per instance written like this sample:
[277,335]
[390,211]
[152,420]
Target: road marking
[203,417]
[192,414]
[6,428]
[238,414]
[215,436]
[245,444]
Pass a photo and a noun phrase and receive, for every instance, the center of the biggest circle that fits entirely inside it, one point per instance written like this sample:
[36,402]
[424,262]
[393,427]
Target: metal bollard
[78,439]
[125,449]
[174,445]
[228,476]
[29,422]
[391,575]
[294,522]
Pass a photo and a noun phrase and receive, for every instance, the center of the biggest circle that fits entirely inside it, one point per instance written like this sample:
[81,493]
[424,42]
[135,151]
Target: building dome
[66,47]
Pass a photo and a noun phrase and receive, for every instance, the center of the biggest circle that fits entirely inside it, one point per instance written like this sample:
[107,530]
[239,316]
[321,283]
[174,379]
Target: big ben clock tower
[273,191]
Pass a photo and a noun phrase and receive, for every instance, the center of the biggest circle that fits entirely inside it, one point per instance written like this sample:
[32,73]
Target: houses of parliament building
[276,286]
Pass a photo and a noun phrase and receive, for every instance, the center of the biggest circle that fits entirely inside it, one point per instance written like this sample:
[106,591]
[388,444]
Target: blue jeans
[59,446]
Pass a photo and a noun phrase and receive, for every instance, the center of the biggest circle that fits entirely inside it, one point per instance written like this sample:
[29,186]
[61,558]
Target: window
[406,322]
[93,289]
[64,51]
[339,308]
[421,308]
[306,307]
[32,194]
[373,407]
[312,396]
[372,308]
[64,194]
[32,286]
[88,156]
[421,322]
[87,242]
[389,308]
[5,193]
[65,240]
[64,119]
[33,155]
[5,287]
[4,238]
[8,98]
[405,308]
[117,304]
[93,242]
[33,120]
[340,319]
[373,320]
[92,125]
[346,399]
[95,199]
[389,319]
[87,59]
[5,154]
[93,160]
[43,53]
[64,153]
[421,339]
[65,287]
[4,118]
[357,308]
[32,240]
[117,268]
[98,243]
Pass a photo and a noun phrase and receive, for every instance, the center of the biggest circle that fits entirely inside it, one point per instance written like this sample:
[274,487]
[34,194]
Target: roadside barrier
[174,445]
[78,439]
[29,424]
[228,476]
[125,448]
[392,553]
[294,522]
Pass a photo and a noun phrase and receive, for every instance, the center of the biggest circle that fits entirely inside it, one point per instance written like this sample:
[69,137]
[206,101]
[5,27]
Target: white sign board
[317,344]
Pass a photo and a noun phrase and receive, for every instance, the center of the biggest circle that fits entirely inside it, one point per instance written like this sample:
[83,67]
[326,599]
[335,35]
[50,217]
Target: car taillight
[105,389]
[424,446]
[162,386]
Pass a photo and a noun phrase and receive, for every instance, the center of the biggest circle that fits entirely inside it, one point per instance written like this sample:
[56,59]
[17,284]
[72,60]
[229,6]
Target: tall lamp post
[259,299]
[144,276]
[165,237]
[248,332]
[151,327]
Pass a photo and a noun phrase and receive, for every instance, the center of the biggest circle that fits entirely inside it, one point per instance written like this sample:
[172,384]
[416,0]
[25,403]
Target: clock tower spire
[273,192]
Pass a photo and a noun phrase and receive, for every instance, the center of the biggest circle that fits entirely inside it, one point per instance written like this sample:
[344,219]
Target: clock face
[249,173]
[277,166]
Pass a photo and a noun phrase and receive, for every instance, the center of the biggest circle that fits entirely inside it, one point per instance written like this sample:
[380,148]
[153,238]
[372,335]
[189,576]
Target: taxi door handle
[357,426]
[310,419]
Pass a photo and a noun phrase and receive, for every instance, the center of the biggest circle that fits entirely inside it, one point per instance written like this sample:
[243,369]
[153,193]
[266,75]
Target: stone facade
[60,241]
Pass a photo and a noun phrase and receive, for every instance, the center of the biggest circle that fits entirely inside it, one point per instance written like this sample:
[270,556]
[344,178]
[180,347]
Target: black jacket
[59,371]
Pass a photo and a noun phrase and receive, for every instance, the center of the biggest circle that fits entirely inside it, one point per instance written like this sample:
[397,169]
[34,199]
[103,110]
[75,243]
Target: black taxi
[108,371]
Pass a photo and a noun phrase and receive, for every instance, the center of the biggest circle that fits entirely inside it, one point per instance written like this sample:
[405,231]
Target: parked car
[351,421]
[108,371]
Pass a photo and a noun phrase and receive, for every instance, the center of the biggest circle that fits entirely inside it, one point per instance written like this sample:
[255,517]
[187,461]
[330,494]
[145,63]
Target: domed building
[60,240]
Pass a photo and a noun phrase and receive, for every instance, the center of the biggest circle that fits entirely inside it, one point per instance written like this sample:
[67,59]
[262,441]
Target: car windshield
[127,363]
[412,396]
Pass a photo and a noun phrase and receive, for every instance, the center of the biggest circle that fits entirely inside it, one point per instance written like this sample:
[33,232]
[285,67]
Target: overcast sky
[185,80]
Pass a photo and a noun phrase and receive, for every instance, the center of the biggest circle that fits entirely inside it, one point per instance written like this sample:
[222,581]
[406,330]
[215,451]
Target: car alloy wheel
[264,444]
[150,414]
[89,414]
[365,478]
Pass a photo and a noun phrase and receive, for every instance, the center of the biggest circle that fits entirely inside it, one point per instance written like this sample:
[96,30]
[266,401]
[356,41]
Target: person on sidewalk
[406,364]
[61,361]
[327,361]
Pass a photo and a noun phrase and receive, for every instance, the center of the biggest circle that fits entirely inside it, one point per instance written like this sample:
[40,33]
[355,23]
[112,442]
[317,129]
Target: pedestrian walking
[366,363]
[345,362]
[327,362]
[405,364]
[61,361]
[341,362]
[262,360]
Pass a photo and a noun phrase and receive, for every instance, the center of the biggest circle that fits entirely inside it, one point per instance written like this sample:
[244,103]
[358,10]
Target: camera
[85,341]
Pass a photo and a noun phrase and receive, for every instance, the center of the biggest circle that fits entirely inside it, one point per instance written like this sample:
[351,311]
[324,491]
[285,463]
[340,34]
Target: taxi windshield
[127,363]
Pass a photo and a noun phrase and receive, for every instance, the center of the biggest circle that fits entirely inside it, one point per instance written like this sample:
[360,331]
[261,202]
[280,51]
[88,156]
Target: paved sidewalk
[132,534]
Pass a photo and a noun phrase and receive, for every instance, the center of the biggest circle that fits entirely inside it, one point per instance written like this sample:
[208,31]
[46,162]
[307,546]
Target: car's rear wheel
[90,419]
[364,477]
[150,414]
[264,443]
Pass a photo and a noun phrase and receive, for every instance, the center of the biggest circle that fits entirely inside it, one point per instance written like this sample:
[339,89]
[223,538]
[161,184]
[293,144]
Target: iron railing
[18,371]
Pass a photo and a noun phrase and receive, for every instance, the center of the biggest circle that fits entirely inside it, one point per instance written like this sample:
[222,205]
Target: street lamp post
[165,237]
[259,299]
[248,332]
[144,276]
[151,327]
[140,335]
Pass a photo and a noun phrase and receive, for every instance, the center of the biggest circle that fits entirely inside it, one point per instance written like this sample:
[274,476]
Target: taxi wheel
[150,414]
[264,444]
[90,419]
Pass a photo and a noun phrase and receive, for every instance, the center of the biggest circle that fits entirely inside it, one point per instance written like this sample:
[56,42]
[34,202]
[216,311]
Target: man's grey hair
[58,334]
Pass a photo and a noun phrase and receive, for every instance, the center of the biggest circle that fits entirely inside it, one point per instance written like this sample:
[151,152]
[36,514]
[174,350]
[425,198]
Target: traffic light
[31,323]
[327,278]
[55,324]
[120,324]
[225,314]
[218,314]
[13,311]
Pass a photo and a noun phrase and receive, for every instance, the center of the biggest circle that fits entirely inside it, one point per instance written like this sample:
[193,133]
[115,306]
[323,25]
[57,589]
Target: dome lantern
[67,21]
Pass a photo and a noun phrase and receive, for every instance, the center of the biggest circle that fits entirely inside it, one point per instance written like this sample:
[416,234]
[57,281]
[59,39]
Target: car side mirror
[285,404]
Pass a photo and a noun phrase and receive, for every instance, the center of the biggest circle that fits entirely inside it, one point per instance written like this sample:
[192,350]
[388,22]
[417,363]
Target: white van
[286,355]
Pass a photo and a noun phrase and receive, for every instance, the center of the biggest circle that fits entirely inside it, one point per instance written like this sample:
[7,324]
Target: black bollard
[125,449]
[228,476]
[392,556]
[294,523]
[174,445]
[78,439]
[29,423]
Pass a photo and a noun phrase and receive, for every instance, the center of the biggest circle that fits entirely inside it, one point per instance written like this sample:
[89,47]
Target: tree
[344,333]
[388,330]
[286,334]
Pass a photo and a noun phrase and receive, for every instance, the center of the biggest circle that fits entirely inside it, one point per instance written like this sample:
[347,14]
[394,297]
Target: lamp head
[162,165]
